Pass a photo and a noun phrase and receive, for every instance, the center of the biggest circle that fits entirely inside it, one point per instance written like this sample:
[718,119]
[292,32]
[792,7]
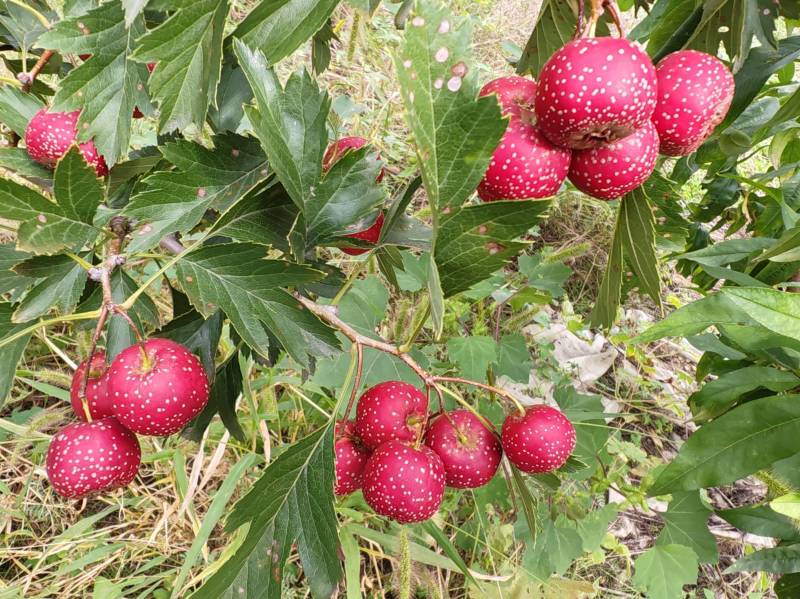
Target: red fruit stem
[598,8]
[101,321]
[27,79]
[579,24]
[496,390]
[611,6]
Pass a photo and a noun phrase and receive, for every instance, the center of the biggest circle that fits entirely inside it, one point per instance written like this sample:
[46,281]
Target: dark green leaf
[718,395]
[788,586]
[784,559]
[200,335]
[291,502]
[225,391]
[238,279]
[178,200]
[232,93]
[17,108]
[554,27]
[761,520]
[47,227]
[473,354]
[279,27]
[514,358]
[188,50]
[609,297]
[746,439]
[637,230]
[61,288]
[107,86]
[18,160]
[454,134]
[478,240]
[685,523]
[12,352]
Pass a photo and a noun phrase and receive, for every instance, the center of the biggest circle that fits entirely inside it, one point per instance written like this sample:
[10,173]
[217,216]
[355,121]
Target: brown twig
[611,6]
[27,79]
[98,330]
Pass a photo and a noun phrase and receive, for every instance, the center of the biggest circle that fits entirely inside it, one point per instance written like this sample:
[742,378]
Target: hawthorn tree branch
[27,79]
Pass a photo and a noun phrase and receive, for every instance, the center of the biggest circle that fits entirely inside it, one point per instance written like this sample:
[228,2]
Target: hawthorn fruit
[538,441]
[50,135]
[392,410]
[350,458]
[96,390]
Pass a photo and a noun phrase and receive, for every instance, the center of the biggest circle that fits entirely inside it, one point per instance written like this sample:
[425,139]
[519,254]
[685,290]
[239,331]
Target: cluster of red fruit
[154,388]
[403,466]
[599,115]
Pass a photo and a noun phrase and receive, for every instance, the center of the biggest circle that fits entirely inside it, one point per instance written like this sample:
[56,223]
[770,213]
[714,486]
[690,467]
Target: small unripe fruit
[350,457]
[469,451]
[611,171]
[594,91]
[51,134]
[388,411]
[96,390]
[695,91]
[404,483]
[541,440]
[157,388]
[92,457]
[514,94]
[524,166]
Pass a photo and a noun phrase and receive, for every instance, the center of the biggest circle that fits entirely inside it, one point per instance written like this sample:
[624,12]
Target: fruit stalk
[496,390]
[579,24]
[28,79]
[357,381]
[611,7]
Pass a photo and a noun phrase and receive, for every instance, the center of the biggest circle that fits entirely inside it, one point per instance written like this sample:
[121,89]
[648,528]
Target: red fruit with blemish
[96,390]
[92,457]
[157,389]
[524,166]
[370,235]
[695,91]
[404,483]
[388,411]
[611,171]
[594,91]
[51,134]
[340,147]
[470,452]
[541,440]
[514,94]
[350,457]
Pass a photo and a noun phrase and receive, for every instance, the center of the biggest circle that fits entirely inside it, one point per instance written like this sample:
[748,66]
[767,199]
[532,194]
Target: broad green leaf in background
[107,86]
[514,358]
[17,108]
[476,241]
[473,354]
[335,204]
[62,282]
[685,523]
[187,48]
[761,520]
[729,251]
[783,559]
[718,395]
[788,505]
[279,27]
[554,27]
[365,304]
[663,570]
[637,230]
[225,392]
[12,353]
[177,200]
[9,278]
[738,443]
[554,549]
[47,227]
[238,279]
[200,335]
[547,276]
[291,503]
[668,26]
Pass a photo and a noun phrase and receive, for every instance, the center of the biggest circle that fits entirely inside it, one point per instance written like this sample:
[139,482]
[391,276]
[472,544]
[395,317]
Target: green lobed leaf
[637,230]
[278,27]
[783,559]
[454,134]
[685,523]
[729,251]
[609,296]
[554,549]
[663,570]
[237,278]
[738,443]
[514,358]
[718,395]
[10,280]
[18,161]
[225,391]
[133,8]
[473,355]
[476,241]
[204,178]
[107,86]
[61,286]
[12,352]
[47,227]
[188,50]
[291,503]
